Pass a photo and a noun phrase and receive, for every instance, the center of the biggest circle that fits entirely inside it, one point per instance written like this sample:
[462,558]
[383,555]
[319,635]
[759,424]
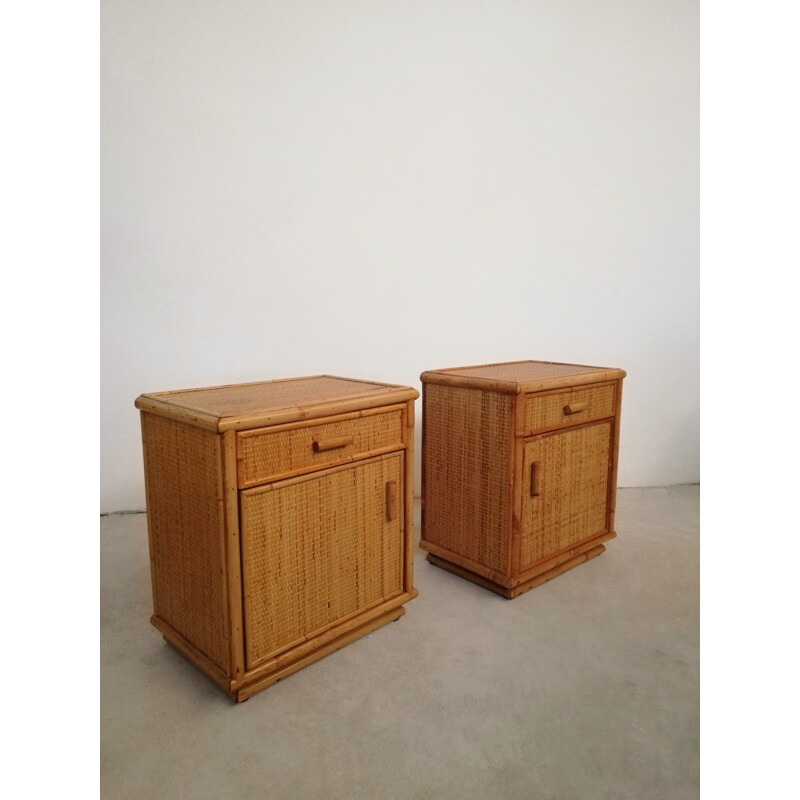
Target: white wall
[377,188]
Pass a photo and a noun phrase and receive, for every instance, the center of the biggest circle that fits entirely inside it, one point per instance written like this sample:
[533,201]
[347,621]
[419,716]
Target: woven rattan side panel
[466,449]
[316,550]
[182,471]
[572,505]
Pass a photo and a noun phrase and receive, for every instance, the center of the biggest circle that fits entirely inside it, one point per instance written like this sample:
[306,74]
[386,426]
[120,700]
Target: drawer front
[269,453]
[550,410]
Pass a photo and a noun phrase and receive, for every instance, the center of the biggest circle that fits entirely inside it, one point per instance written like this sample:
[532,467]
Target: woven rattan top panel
[276,401]
[522,376]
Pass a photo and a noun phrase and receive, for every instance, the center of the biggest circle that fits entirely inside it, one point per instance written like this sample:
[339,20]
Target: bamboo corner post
[279,519]
[519,469]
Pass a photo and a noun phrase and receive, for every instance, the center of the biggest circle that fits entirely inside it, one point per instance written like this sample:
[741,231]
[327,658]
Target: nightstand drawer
[548,410]
[267,454]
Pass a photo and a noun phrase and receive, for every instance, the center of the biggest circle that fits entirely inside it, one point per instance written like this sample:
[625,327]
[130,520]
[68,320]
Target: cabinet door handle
[536,472]
[574,408]
[391,500]
[331,444]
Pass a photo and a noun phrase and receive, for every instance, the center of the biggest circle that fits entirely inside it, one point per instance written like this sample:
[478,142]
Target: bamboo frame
[408,500]
[235,679]
[233,556]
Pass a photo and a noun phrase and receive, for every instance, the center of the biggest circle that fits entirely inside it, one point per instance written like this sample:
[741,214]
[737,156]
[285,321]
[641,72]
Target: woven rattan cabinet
[279,519]
[519,465]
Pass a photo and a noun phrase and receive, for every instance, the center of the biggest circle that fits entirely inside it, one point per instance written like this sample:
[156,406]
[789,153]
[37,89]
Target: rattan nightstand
[280,520]
[519,467]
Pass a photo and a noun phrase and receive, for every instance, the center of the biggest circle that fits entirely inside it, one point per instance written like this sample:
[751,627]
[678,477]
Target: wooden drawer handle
[391,500]
[575,408]
[331,444]
[536,472]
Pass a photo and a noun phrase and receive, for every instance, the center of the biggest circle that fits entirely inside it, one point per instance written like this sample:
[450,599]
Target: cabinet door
[565,490]
[319,548]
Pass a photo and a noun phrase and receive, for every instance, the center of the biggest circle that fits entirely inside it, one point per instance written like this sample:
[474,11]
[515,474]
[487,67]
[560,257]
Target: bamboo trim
[423,461]
[565,555]
[318,473]
[518,460]
[315,411]
[582,379]
[223,549]
[249,689]
[150,546]
[472,566]
[612,478]
[233,556]
[538,580]
[510,593]
[190,652]
[408,510]
[567,389]
[513,521]
[315,468]
[566,428]
[191,416]
[307,642]
[313,423]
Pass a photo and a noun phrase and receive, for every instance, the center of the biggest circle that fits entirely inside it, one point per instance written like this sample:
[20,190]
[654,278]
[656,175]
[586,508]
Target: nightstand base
[298,657]
[528,584]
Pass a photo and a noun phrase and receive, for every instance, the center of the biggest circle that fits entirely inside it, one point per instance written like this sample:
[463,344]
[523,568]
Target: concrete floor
[585,687]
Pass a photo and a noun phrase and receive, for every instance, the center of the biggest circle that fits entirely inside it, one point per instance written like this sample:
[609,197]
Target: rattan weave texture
[317,550]
[255,397]
[573,503]
[522,371]
[182,473]
[264,455]
[467,439]
[547,410]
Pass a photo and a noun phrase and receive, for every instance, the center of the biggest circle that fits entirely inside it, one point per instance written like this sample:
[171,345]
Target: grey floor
[585,687]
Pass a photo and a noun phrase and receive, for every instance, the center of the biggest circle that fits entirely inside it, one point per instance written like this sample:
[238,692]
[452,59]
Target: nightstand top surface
[272,402]
[515,377]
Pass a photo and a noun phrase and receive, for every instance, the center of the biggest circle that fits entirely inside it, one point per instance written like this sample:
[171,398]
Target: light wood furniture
[280,520]
[519,468]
